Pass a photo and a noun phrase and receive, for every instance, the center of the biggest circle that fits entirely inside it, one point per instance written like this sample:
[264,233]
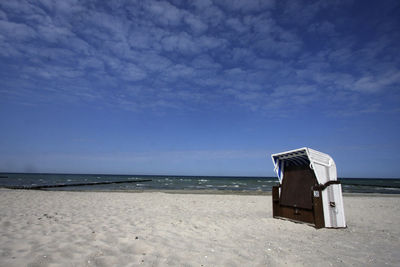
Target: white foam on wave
[391,188]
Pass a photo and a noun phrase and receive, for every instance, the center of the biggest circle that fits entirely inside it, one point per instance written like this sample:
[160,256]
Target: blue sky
[198,87]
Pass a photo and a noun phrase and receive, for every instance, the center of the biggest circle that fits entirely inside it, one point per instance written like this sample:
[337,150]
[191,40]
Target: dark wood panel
[297,187]
[296,214]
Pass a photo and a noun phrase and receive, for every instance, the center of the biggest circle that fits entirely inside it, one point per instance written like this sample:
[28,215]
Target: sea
[217,184]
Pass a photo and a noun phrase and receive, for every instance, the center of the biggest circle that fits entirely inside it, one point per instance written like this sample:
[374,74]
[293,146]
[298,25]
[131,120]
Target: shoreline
[199,192]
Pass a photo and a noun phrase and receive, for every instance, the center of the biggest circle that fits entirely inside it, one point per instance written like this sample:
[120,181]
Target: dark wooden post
[318,208]
[275,201]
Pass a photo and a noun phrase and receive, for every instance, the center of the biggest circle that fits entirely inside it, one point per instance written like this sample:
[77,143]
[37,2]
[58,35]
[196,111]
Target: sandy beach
[43,228]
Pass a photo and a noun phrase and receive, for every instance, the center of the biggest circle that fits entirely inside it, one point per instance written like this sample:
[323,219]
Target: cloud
[254,55]
[181,42]
[323,28]
[3,15]
[179,71]
[197,25]
[246,6]
[91,63]
[132,73]
[236,25]
[375,83]
[297,12]
[154,62]
[202,4]
[187,44]
[165,13]
[53,34]
[205,62]
[16,31]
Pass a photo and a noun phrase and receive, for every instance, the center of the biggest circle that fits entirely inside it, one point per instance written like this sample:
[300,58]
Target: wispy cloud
[255,55]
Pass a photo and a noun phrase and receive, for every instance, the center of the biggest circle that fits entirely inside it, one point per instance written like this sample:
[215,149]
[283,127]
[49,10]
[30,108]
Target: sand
[42,228]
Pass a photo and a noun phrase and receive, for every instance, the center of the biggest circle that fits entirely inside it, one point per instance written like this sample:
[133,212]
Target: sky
[202,87]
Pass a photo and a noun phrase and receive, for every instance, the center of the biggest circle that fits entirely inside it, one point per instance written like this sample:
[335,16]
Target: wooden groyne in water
[38,187]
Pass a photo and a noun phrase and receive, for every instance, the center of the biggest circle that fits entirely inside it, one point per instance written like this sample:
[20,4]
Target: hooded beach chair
[308,189]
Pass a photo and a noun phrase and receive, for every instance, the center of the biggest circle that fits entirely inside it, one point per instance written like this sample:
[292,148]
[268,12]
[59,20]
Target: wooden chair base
[313,216]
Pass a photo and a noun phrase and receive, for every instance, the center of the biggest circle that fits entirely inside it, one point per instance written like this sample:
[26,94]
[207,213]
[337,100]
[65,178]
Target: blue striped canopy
[296,158]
